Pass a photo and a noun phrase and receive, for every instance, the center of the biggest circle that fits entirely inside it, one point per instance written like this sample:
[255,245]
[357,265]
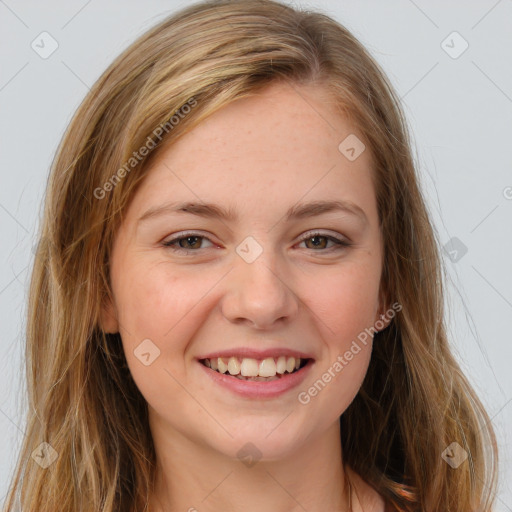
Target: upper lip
[246,352]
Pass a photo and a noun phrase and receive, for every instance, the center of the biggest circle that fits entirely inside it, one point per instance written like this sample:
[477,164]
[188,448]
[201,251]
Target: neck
[196,478]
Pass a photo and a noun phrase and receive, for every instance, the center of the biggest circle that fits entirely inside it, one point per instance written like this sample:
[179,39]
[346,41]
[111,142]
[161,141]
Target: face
[271,281]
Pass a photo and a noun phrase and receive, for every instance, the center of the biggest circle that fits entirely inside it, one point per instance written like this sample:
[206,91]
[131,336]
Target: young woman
[237,298]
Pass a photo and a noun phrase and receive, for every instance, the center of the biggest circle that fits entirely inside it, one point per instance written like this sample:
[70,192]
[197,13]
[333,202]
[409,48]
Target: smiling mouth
[257,370]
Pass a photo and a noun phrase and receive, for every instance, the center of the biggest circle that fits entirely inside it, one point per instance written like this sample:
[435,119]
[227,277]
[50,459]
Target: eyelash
[341,244]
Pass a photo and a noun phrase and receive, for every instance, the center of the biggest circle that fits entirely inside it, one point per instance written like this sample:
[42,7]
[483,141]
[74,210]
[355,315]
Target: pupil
[189,238]
[316,237]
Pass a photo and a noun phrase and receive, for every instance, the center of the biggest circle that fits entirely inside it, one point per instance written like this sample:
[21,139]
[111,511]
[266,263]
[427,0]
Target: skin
[259,156]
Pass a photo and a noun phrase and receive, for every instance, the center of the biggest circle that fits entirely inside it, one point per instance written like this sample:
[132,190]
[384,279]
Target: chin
[262,441]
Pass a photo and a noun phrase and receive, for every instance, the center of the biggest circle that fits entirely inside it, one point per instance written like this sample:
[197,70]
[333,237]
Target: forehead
[283,121]
[276,147]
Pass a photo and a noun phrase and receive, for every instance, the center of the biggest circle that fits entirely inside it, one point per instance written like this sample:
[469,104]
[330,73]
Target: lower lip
[259,389]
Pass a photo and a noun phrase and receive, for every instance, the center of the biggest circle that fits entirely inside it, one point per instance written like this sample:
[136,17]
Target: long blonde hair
[415,400]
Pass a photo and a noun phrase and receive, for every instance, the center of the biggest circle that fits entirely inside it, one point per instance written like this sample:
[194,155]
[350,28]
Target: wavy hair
[82,401]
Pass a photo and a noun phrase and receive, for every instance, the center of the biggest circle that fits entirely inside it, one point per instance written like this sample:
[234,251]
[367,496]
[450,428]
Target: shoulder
[364,497]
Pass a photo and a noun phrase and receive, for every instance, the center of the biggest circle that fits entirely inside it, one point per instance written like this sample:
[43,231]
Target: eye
[317,235]
[191,242]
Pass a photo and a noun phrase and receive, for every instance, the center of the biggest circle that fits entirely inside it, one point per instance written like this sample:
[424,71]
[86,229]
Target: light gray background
[459,109]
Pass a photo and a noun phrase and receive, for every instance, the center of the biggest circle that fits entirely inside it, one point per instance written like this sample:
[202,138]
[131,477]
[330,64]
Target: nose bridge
[257,266]
[259,292]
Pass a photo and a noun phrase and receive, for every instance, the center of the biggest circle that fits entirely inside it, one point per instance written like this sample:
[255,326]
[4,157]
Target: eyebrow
[210,210]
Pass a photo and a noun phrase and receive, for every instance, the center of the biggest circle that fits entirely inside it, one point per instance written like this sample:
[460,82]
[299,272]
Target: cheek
[347,302]
[148,298]
[159,303]
[154,306]
[346,309]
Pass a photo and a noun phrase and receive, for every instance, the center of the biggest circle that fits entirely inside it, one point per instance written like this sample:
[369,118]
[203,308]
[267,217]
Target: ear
[108,317]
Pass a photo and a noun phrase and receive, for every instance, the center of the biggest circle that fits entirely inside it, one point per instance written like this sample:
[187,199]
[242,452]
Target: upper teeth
[249,367]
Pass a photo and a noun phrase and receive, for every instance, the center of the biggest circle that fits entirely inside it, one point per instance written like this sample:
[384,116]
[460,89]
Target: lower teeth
[256,379]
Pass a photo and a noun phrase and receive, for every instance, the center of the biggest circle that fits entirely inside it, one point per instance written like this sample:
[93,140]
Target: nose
[259,294]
